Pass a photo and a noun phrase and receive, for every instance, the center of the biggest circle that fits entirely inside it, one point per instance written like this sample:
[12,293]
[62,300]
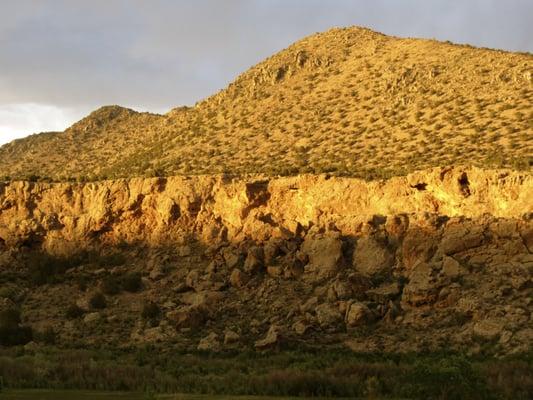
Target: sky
[61,59]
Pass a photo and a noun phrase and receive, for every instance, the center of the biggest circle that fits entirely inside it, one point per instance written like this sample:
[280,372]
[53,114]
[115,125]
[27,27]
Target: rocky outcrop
[302,258]
[62,216]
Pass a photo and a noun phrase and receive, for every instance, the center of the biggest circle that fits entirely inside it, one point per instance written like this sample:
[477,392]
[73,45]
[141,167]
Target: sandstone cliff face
[437,259]
[60,216]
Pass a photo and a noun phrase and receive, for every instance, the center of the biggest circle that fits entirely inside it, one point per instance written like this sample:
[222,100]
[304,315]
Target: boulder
[488,329]
[372,257]
[231,337]
[272,338]
[342,290]
[328,315]
[422,287]
[254,260]
[231,257]
[300,327]
[238,278]
[459,237]
[209,343]
[384,292]
[183,251]
[357,314]
[419,245]
[451,267]
[186,317]
[91,317]
[192,280]
[324,252]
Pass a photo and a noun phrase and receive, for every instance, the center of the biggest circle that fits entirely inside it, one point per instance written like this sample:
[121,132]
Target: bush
[74,311]
[111,285]
[132,282]
[150,311]
[98,301]
[451,378]
[46,336]
[11,332]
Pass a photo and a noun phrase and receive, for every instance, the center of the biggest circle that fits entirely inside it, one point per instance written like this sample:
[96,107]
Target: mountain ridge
[348,101]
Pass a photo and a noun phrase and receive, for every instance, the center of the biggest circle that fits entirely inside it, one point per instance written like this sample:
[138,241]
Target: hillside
[348,101]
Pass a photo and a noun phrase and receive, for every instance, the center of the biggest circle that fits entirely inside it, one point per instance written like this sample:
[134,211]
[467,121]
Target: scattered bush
[132,282]
[111,285]
[98,301]
[46,336]
[12,333]
[150,311]
[74,311]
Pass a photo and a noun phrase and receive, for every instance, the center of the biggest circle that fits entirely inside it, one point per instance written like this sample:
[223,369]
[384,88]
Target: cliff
[439,259]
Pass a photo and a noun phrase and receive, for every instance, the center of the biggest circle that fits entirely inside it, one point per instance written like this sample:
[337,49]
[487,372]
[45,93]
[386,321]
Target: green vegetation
[12,333]
[291,372]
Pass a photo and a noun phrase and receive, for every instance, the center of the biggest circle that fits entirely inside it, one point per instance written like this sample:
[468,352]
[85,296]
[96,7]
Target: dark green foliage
[74,311]
[451,378]
[12,333]
[45,268]
[46,336]
[150,311]
[98,301]
[132,282]
[111,285]
[308,373]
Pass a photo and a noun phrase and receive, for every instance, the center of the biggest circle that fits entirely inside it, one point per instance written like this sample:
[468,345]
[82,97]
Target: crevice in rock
[420,186]
[464,184]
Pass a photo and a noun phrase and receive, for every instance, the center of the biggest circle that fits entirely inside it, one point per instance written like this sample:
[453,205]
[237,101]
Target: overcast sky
[60,59]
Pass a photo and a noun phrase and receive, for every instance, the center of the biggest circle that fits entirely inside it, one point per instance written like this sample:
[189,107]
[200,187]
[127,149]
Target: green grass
[30,394]
[302,372]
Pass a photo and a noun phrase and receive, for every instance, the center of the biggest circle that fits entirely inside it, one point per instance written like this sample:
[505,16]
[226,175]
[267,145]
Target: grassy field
[92,395]
[302,373]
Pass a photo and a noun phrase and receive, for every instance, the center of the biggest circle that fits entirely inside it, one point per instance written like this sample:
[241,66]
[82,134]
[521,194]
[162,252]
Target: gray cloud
[158,54]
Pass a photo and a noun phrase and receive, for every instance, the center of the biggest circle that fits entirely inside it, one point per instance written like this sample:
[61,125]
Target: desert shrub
[113,259]
[150,311]
[74,311]
[132,282]
[44,268]
[451,378]
[47,336]
[8,292]
[98,301]
[12,333]
[111,285]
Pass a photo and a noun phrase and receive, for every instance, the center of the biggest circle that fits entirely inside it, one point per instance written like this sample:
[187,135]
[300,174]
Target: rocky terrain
[439,259]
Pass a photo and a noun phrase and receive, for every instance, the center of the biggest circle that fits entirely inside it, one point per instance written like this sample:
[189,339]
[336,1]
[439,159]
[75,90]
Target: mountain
[347,101]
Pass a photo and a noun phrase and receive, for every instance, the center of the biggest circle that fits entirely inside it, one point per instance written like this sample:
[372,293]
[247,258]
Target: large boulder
[461,236]
[238,278]
[328,315]
[372,257]
[254,260]
[422,287]
[419,245]
[357,314]
[186,317]
[324,252]
[272,338]
[209,343]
